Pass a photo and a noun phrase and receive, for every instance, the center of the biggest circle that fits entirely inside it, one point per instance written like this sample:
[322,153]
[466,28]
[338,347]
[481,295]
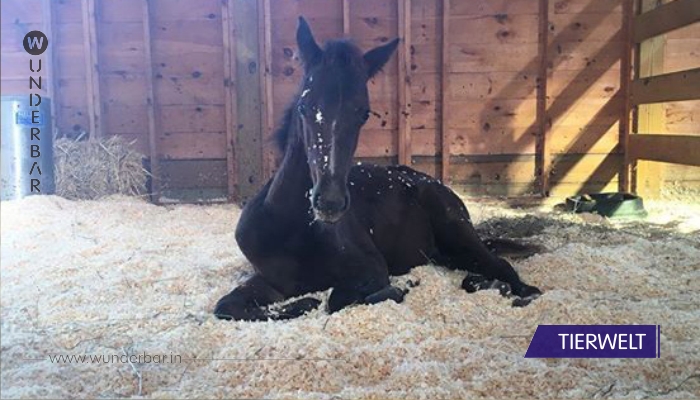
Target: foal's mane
[341,53]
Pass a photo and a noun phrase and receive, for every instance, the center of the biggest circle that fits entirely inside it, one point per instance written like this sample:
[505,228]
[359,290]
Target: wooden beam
[92,68]
[676,86]
[625,83]
[265,38]
[52,73]
[651,118]
[151,102]
[675,149]
[445,139]
[665,18]
[231,103]
[543,159]
[404,87]
[248,140]
[346,17]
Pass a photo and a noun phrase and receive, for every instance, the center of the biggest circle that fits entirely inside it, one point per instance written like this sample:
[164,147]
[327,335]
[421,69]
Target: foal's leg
[361,275]
[249,302]
[461,248]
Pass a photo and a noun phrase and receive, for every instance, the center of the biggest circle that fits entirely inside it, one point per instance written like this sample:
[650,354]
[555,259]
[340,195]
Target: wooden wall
[218,76]
[681,52]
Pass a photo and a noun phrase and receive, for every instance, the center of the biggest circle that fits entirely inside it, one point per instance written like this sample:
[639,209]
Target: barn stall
[515,104]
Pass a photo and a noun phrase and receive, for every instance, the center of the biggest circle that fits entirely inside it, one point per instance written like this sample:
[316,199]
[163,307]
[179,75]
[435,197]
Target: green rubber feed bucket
[26,144]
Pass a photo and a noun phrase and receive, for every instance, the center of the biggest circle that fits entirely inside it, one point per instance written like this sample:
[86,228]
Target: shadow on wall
[569,97]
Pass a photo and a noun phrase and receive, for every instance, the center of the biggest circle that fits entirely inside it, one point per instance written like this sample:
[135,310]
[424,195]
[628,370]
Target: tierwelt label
[595,341]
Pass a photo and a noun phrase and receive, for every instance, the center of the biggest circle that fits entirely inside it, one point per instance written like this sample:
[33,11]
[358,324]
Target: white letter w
[35,42]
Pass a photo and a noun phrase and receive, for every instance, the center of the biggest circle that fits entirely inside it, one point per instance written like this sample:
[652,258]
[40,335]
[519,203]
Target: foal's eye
[364,114]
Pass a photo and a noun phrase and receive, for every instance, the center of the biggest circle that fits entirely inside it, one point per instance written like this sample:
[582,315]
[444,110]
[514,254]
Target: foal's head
[333,106]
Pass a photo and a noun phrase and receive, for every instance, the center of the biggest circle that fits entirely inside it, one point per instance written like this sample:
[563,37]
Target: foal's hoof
[474,282]
[526,295]
[229,309]
[296,309]
[388,293]
[225,311]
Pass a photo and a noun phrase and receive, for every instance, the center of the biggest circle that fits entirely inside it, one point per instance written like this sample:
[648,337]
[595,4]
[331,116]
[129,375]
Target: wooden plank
[542,151]
[231,108]
[586,6]
[494,29]
[445,139]
[404,83]
[192,145]
[183,118]
[126,119]
[20,12]
[204,90]
[190,174]
[492,7]
[67,11]
[682,54]
[377,143]
[123,11]
[267,124]
[493,85]
[676,149]
[185,37]
[52,72]
[625,84]
[151,102]
[183,10]
[682,117]
[581,27]
[346,17]
[73,119]
[92,67]
[650,118]
[676,86]
[484,57]
[249,145]
[665,18]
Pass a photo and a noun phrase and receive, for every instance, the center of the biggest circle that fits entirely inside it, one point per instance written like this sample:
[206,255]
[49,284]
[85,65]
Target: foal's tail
[511,248]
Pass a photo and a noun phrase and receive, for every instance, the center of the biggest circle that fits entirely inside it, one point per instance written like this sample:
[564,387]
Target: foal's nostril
[329,204]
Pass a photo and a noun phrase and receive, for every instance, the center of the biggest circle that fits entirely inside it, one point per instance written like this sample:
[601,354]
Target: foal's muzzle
[330,204]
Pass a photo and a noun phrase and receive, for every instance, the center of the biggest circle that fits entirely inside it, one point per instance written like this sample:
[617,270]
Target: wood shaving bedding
[120,275]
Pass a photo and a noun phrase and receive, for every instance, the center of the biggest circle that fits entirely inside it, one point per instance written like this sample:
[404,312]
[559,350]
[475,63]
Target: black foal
[322,222]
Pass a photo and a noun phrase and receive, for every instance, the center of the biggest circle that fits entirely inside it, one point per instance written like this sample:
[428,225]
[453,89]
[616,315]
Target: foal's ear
[378,56]
[309,50]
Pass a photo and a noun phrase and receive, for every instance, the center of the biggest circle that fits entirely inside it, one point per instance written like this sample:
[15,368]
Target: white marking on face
[305,92]
[319,117]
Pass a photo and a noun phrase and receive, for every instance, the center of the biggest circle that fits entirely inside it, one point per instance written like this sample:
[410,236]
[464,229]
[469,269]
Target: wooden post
[230,84]
[151,103]
[92,68]
[651,117]
[248,140]
[404,77]
[265,38]
[625,79]
[49,19]
[346,17]
[543,159]
[444,92]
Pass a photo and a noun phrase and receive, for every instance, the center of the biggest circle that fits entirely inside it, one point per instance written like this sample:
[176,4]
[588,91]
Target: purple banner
[595,341]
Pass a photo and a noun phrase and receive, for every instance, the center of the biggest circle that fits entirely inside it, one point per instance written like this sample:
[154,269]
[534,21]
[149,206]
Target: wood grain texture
[151,102]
